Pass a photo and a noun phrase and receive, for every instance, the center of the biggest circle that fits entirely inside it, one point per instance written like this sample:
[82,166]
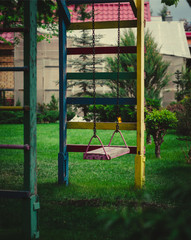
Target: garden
[101,200]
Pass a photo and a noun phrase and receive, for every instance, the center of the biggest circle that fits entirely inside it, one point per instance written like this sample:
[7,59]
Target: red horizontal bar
[101,50]
[8,146]
[82,148]
[14,194]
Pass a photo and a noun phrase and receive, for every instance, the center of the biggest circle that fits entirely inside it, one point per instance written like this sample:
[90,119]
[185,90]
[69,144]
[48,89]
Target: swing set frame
[64,25]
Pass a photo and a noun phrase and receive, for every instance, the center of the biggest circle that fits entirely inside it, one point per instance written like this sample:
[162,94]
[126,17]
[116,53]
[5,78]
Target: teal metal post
[31,205]
[64,19]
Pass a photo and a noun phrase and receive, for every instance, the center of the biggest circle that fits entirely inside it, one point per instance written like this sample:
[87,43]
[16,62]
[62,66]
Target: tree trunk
[157,150]
[148,139]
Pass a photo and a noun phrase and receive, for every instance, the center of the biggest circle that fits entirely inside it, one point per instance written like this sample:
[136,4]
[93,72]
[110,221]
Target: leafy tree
[183,83]
[189,2]
[12,15]
[53,105]
[156,77]
[157,124]
[170,2]
[184,118]
[174,2]
[84,63]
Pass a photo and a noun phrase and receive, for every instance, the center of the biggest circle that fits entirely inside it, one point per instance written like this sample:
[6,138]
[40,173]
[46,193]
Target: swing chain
[118,62]
[94,84]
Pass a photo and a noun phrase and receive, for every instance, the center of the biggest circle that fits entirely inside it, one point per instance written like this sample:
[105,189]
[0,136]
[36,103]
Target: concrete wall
[47,71]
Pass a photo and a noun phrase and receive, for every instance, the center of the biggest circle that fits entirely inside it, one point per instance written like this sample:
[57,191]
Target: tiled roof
[109,12]
[8,36]
[103,12]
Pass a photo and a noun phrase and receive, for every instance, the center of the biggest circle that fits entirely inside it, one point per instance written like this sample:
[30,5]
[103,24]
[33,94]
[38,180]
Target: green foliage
[157,124]
[18,103]
[51,116]
[98,188]
[156,77]
[47,113]
[12,15]
[184,118]
[160,120]
[107,113]
[147,223]
[163,12]
[152,104]
[174,2]
[176,107]
[53,105]
[170,2]
[189,2]
[11,117]
[183,83]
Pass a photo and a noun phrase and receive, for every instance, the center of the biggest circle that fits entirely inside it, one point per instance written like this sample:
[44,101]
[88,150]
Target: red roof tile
[109,12]
[103,12]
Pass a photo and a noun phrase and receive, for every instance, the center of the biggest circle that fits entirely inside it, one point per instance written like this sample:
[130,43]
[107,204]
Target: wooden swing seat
[112,152]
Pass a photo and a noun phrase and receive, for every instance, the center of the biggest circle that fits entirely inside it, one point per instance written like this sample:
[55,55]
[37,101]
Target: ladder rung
[101,50]
[102,125]
[7,89]
[13,146]
[16,108]
[14,69]
[82,148]
[103,25]
[14,29]
[14,194]
[101,101]
[102,75]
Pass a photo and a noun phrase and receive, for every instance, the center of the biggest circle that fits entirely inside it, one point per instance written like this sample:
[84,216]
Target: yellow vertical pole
[140,158]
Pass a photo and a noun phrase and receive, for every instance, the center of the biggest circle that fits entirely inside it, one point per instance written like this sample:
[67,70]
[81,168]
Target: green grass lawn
[96,188]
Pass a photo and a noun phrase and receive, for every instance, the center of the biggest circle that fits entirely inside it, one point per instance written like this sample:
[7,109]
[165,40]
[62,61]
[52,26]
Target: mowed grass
[95,188]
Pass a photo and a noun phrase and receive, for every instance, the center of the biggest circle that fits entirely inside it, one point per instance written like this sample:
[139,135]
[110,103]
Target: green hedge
[10,117]
[108,113]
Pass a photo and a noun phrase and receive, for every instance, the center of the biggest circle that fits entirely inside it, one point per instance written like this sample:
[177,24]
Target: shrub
[153,104]
[53,105]
[157,123]
[183,83]
[42,107]
[184,118]
[18,103]
[11,117]
[46,113]
[51,116]
[176,107]
[108,113]
[147,222]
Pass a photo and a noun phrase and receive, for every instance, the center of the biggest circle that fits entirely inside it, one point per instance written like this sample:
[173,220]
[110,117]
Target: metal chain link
[118,61]
[94,84]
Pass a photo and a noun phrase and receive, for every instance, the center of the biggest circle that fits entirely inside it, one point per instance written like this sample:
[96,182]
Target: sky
[183,10]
